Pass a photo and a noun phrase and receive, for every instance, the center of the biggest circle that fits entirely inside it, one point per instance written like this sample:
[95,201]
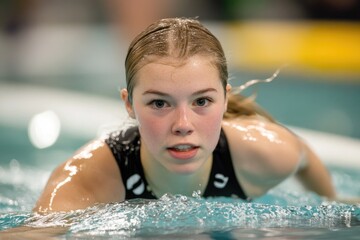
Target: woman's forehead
[194,74]
[192,66]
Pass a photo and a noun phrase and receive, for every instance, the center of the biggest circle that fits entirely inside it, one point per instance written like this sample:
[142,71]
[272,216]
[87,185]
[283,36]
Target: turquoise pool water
[286,212]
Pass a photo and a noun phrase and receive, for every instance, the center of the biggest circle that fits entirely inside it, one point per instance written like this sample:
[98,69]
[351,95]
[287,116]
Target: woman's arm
[91,176]
[314,175]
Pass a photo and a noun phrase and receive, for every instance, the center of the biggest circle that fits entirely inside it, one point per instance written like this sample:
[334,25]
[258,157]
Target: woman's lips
[183,151]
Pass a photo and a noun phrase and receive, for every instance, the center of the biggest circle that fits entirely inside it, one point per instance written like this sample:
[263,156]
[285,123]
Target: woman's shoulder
[261,151]
[88,177]
[260,139]
[93,159]
[257,131]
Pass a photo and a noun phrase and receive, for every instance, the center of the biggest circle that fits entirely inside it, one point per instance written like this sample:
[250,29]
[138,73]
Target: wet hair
[182,38]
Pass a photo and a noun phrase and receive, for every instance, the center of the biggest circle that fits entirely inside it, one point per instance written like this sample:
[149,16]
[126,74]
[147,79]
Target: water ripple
[179,214]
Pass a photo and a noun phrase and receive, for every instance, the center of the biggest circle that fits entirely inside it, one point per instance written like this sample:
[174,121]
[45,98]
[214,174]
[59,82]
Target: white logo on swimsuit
[221,180]
[135,180]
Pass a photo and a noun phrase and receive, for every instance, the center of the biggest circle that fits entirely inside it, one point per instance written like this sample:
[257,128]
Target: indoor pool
[286,212]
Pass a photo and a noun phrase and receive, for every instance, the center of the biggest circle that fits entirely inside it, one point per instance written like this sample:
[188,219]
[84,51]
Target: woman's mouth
[183,151]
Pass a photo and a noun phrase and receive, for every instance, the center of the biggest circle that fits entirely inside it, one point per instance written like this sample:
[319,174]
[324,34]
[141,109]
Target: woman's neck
[162,181]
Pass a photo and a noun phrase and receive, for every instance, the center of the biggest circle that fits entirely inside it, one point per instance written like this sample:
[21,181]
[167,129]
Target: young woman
[192,133]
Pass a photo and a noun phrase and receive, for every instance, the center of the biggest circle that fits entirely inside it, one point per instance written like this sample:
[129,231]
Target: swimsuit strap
[125,146]
[223,180]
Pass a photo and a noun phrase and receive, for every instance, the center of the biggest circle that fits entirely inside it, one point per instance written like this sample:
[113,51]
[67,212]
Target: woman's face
[179,108]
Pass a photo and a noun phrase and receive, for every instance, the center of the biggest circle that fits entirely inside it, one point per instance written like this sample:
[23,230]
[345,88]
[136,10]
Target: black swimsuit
[125,145]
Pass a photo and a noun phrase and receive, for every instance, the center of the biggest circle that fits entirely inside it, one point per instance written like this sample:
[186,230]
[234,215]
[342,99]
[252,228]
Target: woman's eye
[201,102]
[158,104]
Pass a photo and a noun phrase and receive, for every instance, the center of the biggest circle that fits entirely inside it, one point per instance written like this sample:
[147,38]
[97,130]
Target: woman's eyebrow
[206,90]
[157,92]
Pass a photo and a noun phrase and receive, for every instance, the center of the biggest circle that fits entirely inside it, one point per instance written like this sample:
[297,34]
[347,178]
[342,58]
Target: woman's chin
[186,169]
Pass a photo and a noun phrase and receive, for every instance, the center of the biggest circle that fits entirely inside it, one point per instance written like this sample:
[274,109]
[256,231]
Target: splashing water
[179,214]
[282,212]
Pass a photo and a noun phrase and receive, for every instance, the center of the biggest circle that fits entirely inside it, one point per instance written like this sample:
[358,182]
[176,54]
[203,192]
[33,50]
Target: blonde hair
[182,38]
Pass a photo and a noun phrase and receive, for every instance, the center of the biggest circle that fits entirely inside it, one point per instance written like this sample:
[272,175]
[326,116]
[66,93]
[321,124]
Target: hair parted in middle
[182,38]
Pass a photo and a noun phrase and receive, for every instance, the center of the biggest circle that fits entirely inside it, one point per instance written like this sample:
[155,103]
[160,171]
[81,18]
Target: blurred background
[61,63]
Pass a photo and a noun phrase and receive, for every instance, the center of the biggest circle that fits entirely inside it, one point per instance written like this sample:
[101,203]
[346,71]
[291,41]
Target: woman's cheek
[213,125]
[151,127]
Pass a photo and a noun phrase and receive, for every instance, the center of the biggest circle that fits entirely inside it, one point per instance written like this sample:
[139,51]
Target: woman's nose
[182,122]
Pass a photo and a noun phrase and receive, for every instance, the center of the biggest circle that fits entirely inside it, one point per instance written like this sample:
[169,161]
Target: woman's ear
[128,105]
[228,88]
